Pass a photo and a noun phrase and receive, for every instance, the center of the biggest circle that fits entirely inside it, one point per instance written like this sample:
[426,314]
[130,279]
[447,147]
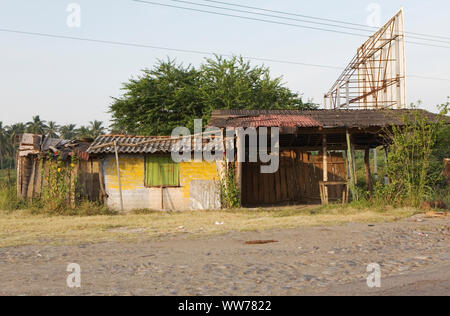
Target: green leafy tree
[235,84]
[159,100]
[171,95]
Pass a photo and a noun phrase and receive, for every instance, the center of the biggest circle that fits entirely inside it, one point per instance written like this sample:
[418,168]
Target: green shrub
[410,160]
[229,189]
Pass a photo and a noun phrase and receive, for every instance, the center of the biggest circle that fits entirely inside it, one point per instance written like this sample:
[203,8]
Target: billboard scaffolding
[375,78]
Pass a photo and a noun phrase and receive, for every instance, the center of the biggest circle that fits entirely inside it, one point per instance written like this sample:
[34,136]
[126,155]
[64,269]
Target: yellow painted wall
[136,195]
[196,171]
[131,173]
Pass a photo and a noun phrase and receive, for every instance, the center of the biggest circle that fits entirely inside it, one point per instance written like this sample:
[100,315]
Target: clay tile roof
[142,144]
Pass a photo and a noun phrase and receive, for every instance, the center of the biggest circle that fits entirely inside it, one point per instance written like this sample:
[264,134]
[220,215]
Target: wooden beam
[118,176]
[239,164]
[355,177]
[19,175]
[101,178]
[30,189]
[351,167]
[367,169]
[325,168]
[375,164]
[386,160]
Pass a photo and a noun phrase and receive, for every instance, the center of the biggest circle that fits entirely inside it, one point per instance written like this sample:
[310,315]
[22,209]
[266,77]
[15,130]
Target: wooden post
[367,168]
[19,175]
[325,167]
[73,189]
[30,189]
[355,175]
[240,159]
[101,178]
[351,166]
[386,154]
[375,164]
[162,198]
[118,175]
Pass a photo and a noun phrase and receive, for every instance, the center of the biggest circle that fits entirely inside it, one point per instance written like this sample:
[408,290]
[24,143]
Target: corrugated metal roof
[273,120]
[325,118]
[146,144]
[33,144]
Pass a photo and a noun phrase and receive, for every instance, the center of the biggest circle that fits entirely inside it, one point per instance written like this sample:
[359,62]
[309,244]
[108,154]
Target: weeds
[8,198]
[229,189]
[411,171]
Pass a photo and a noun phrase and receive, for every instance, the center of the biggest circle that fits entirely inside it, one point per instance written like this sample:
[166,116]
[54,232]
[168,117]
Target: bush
[412,161]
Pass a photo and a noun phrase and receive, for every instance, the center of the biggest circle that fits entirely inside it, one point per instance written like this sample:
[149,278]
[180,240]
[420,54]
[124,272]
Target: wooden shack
[37,153]
[447,170]
[317,152]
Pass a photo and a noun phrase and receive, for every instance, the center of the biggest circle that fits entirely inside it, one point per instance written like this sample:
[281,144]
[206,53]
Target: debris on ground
[422,234]
[260,242]
[437,214]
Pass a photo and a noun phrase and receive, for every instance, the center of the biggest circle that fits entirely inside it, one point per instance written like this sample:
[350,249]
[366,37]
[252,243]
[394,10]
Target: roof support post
[367,167]
[386,154]
[240,153]
[355,178]
[101,177]
[351,164]
[19,175]
[375,164]
[118,175]
[325,168]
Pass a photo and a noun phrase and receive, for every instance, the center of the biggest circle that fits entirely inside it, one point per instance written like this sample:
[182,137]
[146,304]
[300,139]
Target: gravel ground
[414,255]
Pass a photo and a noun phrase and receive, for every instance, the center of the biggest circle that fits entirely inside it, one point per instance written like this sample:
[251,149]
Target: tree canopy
[171,95]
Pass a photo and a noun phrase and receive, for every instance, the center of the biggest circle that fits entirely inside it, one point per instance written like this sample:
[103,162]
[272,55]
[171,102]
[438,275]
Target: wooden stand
[323,189]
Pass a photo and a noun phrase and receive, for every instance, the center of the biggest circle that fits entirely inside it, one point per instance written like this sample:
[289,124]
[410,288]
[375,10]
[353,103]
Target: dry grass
[24,228]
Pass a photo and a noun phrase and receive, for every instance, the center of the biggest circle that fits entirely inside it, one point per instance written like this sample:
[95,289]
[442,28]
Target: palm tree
[84,132]
[52,129]
[68,131]
[3,144]
[36,126]
[14,131]
[96,128]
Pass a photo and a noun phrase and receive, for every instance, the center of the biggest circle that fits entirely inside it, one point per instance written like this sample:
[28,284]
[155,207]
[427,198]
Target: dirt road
[414,255]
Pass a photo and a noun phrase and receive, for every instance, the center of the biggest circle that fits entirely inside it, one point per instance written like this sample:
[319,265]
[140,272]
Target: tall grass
[8,198]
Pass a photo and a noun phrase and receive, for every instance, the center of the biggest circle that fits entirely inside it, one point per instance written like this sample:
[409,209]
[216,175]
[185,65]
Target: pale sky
[71,81]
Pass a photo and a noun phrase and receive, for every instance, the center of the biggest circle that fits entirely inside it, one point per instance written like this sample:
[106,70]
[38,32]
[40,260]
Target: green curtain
[161,171]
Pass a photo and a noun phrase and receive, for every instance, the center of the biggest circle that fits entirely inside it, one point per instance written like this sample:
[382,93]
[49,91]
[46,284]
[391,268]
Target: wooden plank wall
[33,174]
[296,181]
